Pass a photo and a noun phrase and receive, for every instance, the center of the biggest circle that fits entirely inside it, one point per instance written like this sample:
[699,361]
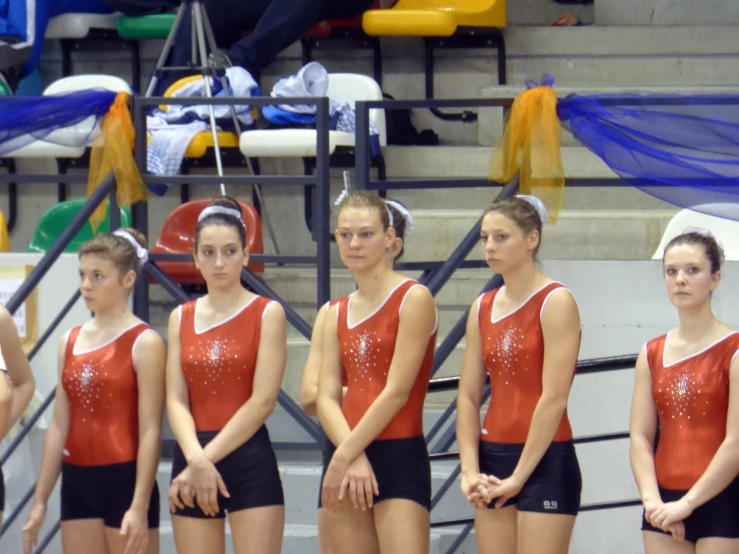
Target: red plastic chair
[178,237]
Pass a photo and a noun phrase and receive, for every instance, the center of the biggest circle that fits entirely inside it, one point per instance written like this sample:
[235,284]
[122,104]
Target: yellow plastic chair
[202,143]
[204,140]
[444,24]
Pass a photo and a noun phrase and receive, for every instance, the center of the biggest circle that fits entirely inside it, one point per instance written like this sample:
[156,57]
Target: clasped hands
[668,516]
[198,483]
[480,489]
[355,477]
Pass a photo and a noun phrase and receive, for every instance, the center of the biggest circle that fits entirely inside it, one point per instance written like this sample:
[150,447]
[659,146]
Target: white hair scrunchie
[212,210]
[707,233]
[409,221]
[141,253]
[537,204]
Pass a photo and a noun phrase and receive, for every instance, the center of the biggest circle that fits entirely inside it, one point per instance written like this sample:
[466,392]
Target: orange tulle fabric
[531,146]
[112,150]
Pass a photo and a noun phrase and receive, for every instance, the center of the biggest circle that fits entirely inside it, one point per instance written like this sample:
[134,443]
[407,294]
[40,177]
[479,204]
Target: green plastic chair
[59,217]
[146,27]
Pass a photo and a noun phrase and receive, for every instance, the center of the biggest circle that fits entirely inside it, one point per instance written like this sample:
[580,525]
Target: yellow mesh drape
[531,146]
[4,239]
[113,150]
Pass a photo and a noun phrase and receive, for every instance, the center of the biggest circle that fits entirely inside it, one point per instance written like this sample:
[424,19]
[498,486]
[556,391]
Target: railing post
[361,145]
[140,210]
[323,213]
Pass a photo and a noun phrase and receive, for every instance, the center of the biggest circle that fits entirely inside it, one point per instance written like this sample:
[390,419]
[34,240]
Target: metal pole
[323,201]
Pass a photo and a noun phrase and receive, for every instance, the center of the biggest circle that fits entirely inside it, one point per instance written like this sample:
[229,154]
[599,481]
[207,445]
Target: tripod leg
[166,49]
[197,10]
[221,72]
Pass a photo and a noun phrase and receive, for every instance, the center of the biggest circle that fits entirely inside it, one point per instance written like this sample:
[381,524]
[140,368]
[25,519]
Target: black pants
[276,24]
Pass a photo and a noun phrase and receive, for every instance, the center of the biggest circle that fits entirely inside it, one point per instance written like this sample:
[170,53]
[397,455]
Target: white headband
[706,233]
[212,210]
[141,253]
[409,221]
[537,204]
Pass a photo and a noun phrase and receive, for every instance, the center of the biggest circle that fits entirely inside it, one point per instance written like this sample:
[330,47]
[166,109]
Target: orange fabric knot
[531,146]
[112,150]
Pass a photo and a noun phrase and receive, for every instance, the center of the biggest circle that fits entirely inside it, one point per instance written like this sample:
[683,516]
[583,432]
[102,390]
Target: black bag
[137,8]
[401,131]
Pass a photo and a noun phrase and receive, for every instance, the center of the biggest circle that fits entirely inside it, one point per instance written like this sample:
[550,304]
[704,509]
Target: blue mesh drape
[66,119]
[683,149]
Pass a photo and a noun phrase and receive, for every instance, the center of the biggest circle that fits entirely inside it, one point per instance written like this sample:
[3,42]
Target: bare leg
[117,542]
[402,526]
[352,531]
[496,530]
[544,533]
[194,535]
[716,545]
[657,543]
[84,535]
[258,530]
[324,541]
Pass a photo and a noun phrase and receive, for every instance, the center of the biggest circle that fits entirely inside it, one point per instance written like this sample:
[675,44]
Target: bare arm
[149,362]
[51,458]
[309,388]
[724,466]
[178,399]
[643,428]
[270,368]
[469,396]
[329,383]
[19,370]
[417,322]
[560,325]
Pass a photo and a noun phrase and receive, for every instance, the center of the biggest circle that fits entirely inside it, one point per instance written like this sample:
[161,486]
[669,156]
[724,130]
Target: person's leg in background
[282,23]
[228,19]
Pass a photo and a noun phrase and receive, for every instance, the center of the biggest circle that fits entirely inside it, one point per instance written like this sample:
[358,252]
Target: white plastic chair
[54,146]
[725,230]
[284,143]
[77,26]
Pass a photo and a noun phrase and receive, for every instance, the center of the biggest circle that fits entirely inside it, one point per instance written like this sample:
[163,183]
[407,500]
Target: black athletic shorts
[103,492]
[553,488]
[250,474]
[401,467]
[719,517]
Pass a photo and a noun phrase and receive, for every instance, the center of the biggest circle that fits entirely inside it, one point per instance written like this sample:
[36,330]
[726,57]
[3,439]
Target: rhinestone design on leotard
[506,350]
[216,359]
[86,386]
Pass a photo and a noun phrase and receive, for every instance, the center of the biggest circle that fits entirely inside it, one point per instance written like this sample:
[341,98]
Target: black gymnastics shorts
[553,488]
[250,474]
[103,492]
[402,469]
[719,517]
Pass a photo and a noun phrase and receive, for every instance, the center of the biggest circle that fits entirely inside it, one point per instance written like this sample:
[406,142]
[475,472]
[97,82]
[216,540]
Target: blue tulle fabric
[65,119]
[683,149]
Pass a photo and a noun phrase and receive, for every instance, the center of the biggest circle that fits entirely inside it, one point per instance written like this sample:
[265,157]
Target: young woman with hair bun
[105,434]
[519,468]
[226,359]
[376,486]
[403,226]
[687,383]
